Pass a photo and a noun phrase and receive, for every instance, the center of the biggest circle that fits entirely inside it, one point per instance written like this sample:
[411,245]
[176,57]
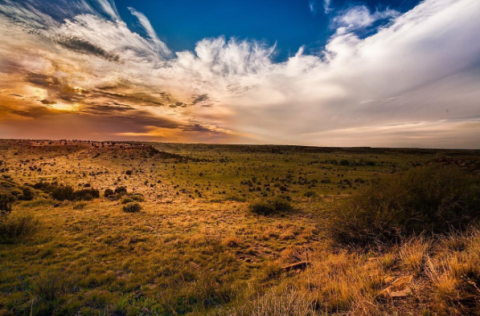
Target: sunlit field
[92,228]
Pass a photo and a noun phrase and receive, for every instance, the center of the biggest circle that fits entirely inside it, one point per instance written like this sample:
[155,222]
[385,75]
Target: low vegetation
[270,207]
[133,207]
[423,200]
[16,226]
[237,230]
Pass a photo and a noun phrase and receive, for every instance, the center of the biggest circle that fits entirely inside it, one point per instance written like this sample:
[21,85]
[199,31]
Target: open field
[196,247]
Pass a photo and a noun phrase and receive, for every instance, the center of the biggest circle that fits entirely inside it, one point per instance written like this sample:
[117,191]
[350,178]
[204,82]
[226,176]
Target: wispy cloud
[314,5]
[152,35]
[85,70]
[359,17]
[326,6]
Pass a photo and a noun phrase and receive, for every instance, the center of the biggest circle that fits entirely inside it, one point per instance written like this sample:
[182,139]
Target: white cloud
[143,20]
[359,17]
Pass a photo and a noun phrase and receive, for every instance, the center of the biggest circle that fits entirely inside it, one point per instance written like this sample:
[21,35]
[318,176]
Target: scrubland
[92,228]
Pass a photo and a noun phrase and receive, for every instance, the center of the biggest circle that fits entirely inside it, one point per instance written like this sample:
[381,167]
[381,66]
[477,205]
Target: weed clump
[270,207]
[15,226]
[6,202]
[435,200]
[133,207]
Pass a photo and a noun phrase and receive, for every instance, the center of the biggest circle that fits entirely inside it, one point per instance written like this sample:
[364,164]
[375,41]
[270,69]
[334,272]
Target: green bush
[14,226]
[133,207]
[434,199]
[268,207]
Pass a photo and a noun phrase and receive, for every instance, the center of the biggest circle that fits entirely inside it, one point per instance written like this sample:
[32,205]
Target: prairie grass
[197,249]
[413,254]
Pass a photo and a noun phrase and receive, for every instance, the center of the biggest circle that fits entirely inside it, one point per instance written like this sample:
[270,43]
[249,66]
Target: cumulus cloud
[414,82]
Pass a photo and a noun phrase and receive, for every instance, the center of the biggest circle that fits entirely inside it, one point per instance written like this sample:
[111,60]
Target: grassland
[195,247]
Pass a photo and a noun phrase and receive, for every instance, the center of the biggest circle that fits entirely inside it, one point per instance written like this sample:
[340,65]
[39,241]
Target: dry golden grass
[196,249]
[413,254]
[344,282]
[455,275]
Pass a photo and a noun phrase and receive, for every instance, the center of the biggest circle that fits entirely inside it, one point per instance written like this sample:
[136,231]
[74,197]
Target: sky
[391,73]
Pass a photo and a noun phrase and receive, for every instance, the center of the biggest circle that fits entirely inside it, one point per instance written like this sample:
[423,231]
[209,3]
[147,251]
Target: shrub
[15,226]
[121,190]
[27,195]
[108,193]
[133,207]
[63,193]
[86,194]
[6,202]
[428,199]
[269,207]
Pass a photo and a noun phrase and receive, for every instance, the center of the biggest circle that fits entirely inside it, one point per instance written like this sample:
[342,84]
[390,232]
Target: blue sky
[398,73]
[288,23]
